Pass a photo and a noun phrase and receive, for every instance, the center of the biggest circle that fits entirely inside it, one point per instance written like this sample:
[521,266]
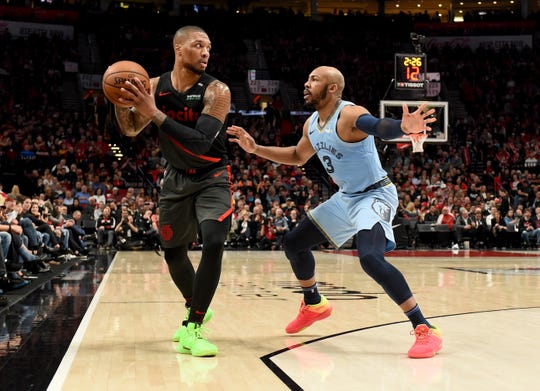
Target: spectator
[524,194]
[410,218]
[68,200]
[482,230]
[465,228]
[127,233]
[281,225]
[34,214]
[446,217]
[499,230]
[268,235]
[430,217]
[536,202]
[149,230]
[242,233]
[13,280]
[99,196]
[293,219]
[16,253]
[105,226]
[529,232]
[76,206]
[512,219]
[83,196]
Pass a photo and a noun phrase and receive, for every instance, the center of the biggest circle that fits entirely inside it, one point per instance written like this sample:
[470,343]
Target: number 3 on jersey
[328,164]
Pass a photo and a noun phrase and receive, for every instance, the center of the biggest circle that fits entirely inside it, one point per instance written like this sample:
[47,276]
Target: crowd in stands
[68,192]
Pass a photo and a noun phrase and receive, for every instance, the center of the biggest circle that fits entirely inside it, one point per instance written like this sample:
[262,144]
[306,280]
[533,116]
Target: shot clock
[410,71]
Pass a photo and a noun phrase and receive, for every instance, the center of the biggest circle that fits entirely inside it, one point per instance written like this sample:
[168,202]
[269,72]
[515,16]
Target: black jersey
[185,108]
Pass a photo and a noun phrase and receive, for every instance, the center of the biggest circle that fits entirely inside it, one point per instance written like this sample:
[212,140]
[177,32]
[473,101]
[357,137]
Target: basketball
[117,74]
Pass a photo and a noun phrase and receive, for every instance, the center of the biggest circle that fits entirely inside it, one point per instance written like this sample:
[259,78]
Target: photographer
[127,233]
[147,230]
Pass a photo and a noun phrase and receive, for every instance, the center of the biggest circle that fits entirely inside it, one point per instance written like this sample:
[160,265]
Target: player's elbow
[202,146]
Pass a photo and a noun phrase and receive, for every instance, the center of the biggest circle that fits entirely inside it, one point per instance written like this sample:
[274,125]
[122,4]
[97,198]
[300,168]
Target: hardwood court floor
[487,305]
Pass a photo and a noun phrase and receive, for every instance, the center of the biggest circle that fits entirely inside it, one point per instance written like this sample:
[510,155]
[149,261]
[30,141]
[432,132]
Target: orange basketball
[116,75]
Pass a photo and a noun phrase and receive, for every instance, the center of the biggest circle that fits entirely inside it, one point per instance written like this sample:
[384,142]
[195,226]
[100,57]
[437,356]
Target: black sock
[416,317]
[311,295]
[188,306]
[196,316]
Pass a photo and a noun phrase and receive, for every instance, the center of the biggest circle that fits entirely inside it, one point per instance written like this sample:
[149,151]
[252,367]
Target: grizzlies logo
[382,209]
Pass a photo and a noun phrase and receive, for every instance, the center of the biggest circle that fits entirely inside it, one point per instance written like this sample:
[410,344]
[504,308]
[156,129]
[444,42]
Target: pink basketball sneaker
[309,314]
[428,342]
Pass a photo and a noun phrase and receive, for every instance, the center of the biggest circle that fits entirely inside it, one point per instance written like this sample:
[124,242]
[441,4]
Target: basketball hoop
[417,140]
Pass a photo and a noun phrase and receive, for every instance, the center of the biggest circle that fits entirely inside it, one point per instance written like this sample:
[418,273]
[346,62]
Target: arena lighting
[117,152]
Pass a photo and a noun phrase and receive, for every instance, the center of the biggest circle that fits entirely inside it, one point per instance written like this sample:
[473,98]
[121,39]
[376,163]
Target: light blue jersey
[353,167]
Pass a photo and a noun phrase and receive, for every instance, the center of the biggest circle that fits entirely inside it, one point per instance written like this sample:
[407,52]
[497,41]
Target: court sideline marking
[65,366]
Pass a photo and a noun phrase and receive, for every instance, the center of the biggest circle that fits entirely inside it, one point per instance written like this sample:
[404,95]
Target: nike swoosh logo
[164,93]
[218,173]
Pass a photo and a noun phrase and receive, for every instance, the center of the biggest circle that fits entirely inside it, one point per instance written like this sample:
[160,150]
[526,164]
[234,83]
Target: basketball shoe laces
[200,330]
[422,335]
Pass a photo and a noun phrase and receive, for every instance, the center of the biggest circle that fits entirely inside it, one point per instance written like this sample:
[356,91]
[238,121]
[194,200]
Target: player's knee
[214,233]
[176,254]
[292,245]
[214,243]
[374,265]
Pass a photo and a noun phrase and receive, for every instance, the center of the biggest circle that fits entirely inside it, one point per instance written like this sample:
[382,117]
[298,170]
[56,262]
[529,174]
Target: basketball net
[417,140]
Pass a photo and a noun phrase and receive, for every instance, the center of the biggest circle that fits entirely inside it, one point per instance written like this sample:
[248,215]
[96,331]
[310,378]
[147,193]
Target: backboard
[439,133]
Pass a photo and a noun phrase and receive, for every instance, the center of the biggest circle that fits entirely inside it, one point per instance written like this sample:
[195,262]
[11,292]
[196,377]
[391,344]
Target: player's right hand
[242,138]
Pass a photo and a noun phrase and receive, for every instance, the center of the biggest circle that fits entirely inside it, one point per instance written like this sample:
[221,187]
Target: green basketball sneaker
[207,317]
[192,342]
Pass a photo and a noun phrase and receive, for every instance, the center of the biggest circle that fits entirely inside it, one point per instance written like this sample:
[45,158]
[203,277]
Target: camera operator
[127,233]
[147,231]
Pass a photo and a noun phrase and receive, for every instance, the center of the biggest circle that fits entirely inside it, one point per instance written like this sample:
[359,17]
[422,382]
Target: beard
[193,69]
[316,100]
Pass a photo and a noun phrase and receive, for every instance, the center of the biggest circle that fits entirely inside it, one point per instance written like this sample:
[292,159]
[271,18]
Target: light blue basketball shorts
[343,215]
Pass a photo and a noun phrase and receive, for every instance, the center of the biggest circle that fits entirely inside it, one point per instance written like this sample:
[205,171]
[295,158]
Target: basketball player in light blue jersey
[342,135]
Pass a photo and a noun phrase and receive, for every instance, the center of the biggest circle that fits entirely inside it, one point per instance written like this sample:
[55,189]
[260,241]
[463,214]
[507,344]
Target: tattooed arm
[131,121]
[217,103]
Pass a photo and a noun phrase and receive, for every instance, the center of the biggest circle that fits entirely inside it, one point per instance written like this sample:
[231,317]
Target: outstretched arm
[293,155]
[386,128]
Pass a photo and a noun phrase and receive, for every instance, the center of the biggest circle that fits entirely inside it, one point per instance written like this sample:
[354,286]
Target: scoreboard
[410,71]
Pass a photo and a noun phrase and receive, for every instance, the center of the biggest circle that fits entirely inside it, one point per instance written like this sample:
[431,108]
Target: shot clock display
[410,71]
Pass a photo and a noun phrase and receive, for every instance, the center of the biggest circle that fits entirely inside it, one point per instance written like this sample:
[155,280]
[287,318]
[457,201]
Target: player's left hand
[418,121]
[136,94]
[242,138]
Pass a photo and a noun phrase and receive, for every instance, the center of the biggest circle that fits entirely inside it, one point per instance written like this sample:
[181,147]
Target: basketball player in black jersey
[189,108]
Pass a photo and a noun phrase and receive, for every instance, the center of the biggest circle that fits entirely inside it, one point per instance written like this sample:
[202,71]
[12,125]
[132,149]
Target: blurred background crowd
[62,156]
